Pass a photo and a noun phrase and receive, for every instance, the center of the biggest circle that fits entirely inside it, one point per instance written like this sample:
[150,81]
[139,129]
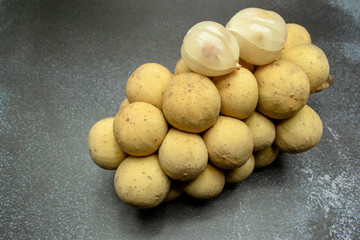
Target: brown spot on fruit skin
[326,84]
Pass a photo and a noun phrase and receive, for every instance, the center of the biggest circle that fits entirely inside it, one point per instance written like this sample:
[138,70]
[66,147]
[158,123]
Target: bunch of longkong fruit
[237,97]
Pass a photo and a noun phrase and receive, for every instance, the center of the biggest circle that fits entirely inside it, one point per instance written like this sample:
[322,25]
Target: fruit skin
[262,129]
[312,60]
[124,104]
[147,84]
[104,150]
[139,128]
[175,191]
[182,155]
[296,34]
[239,93]
[181,67]
[266,156]
[283,89]
[140,182]
[241,173]
[207,185]
[229,143]
[299,133]
[191,102]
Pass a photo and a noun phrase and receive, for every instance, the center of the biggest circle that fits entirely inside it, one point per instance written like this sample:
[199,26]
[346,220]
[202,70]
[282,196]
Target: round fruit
[183,155]
[140,182]
[283,89]
[229,143]
[140,128]
[104,150]
[191,102]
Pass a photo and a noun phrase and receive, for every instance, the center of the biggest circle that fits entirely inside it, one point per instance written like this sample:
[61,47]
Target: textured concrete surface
[63,66]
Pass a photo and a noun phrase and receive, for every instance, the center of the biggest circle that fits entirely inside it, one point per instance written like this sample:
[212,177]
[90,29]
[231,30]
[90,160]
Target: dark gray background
[63,66]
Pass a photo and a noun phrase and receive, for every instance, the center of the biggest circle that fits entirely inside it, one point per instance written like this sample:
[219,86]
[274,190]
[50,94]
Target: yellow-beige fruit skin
[241,173]
[191,102]
[239,93]
[124,104]
[300,132]
[182,155]
[262,129]
[104,150]
[229,143]
[140,182]
[283,89]
[296,35]
[207,185]
[181,67]
[312,60]
[265,157]
[140,128]
[147,84]
[175,191]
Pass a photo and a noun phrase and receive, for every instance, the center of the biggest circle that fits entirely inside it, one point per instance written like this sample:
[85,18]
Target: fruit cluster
[238,96]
